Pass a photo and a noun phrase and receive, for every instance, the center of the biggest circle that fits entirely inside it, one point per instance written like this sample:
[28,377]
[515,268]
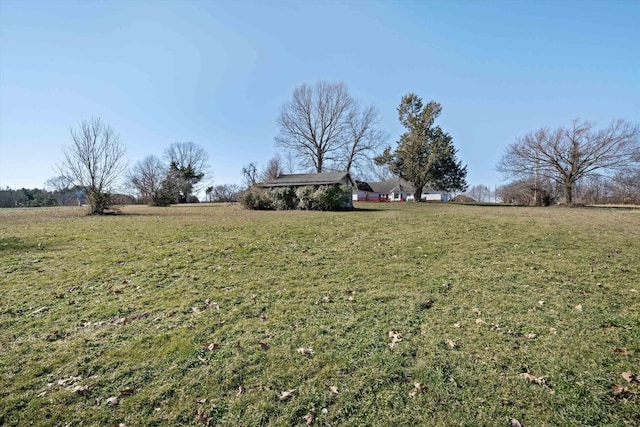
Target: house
[394,190]
[312,180]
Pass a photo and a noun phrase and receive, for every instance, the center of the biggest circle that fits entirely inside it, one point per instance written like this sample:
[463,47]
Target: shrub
[322,198]
[256,199]
[305,197]
[284,198]
[331,197]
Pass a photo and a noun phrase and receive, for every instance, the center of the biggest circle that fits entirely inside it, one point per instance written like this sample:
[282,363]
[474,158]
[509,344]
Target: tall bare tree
[567,155]
[326,129]
[363,138]
[146,177]
[188,165]
[95,161]
[313,124]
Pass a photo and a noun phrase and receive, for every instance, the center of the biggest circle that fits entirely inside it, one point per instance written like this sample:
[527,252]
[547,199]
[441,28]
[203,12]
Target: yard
[393,314]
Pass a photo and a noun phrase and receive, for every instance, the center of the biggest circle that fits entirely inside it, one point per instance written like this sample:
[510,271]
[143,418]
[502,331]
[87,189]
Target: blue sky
[217,72]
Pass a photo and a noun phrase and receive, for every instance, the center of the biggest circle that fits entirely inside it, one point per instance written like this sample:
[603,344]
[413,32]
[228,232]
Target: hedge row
[322,198]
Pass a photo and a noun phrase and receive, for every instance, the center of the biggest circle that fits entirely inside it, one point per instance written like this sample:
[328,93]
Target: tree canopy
[425,154]
[94,160]
[326,129]
[567,155]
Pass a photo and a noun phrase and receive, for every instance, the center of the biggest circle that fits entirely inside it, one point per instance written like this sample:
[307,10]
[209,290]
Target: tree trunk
[568,192]
[417,194]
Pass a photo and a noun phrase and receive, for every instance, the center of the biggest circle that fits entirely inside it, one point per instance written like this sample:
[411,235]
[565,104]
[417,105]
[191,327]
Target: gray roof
[301,179]
[392,186]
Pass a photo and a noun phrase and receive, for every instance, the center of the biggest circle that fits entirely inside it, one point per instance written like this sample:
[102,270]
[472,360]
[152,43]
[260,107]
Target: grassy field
[393,314]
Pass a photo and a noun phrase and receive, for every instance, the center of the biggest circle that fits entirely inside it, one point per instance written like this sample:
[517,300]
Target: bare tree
[314,125]
[625,186]
[95,161]
[273,169]
[188,163]
[250,174]
[225,193]
[60,186]
[146,178]
[567,155]
[362,137]
[479,193]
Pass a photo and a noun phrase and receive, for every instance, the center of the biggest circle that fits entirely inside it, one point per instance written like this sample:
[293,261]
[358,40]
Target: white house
[394,190]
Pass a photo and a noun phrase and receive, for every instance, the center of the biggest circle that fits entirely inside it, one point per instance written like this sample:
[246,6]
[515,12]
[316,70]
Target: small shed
[312,180]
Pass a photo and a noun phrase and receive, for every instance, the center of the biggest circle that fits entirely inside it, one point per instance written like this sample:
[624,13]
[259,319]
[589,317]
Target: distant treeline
[36,197]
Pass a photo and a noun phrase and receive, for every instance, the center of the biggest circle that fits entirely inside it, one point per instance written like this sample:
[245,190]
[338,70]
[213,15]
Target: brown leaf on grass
[82,390]
[417,389]
[286,395]
[628,375]
[620,351]
[263,346]
[536,380]
[127,391]
[310,416]
[533,379]
[396,337]
[126,320]
[65,381]
[202,418]
[305,350]
[621,392]
[210,346]
[208,303]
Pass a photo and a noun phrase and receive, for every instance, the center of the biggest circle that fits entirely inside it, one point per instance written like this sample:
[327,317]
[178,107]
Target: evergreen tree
[425,154]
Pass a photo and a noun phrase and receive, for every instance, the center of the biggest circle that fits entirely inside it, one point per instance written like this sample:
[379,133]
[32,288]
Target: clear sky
[217,72]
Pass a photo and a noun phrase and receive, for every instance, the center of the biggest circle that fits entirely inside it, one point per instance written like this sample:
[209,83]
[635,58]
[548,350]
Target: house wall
[367,196]
[432,197]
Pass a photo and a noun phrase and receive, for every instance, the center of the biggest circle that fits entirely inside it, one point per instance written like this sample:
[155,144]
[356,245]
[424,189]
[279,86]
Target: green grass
[126,305]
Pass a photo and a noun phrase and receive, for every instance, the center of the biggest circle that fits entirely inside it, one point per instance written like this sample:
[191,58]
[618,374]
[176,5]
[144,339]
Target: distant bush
[322,198]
